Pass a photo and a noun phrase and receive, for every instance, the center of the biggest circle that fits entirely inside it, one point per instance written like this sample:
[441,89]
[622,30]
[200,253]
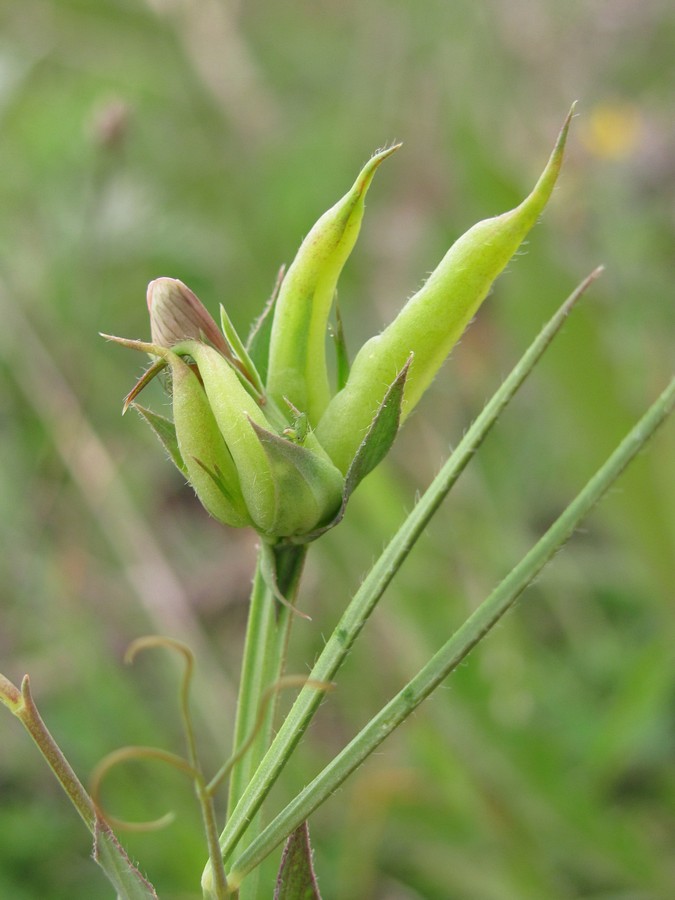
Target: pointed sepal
[269,569]
[296,879]
[258,340]
[242,358]
[381,433]
[374,446]
[308,487]
[149,375]
[165,430]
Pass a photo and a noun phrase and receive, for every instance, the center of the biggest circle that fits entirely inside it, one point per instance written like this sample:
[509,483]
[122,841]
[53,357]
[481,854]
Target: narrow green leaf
[381,433]
[366,598]
[258,340]
[296,879]
[108,852]
[120,871]
[240,350]
[264,652]
[459,645]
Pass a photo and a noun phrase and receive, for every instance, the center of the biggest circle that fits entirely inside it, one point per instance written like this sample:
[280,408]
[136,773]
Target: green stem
[109,854]
[220,888]
[262,666]
[27,713]
[260,628]
[457,647]
[375,583]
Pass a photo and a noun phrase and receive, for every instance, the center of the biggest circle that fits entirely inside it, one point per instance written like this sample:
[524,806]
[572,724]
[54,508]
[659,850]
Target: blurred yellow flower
[613,131]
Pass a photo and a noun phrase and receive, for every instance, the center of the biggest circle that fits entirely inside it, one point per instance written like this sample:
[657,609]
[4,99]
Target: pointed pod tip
[379,156]
[542,190]
[367,172]
[384,152]
[562,137]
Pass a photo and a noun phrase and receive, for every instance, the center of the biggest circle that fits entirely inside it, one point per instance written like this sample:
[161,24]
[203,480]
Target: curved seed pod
[297,361]
[235,410]
[209,465]
[193,439]
[432,320]
[288,489]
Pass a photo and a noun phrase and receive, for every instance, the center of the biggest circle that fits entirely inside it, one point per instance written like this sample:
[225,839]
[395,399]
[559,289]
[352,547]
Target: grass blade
[459,645]
[375,583]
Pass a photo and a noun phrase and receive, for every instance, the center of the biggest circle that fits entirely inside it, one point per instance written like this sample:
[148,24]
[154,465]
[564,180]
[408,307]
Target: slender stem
[220,885]
[108,852]
[27,713]
[375,583]
[267,634]
[458,646]
[260,630]
[262,666]
[218,888]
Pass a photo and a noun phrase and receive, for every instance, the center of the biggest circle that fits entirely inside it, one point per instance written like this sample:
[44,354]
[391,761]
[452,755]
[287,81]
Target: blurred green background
[201,140]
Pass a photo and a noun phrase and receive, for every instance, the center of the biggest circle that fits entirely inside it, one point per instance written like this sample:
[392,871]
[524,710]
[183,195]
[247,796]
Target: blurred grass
[200,141]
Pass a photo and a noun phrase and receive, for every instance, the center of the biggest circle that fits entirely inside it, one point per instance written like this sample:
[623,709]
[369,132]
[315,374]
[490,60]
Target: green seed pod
[234,411]
[432,320]
[209,464]
[288,489]
[297,361]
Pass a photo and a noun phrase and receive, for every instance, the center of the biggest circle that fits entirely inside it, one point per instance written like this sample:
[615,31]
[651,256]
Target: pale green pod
[210,467]
[297,359]
[288,489]
[235,410]
[432,320]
